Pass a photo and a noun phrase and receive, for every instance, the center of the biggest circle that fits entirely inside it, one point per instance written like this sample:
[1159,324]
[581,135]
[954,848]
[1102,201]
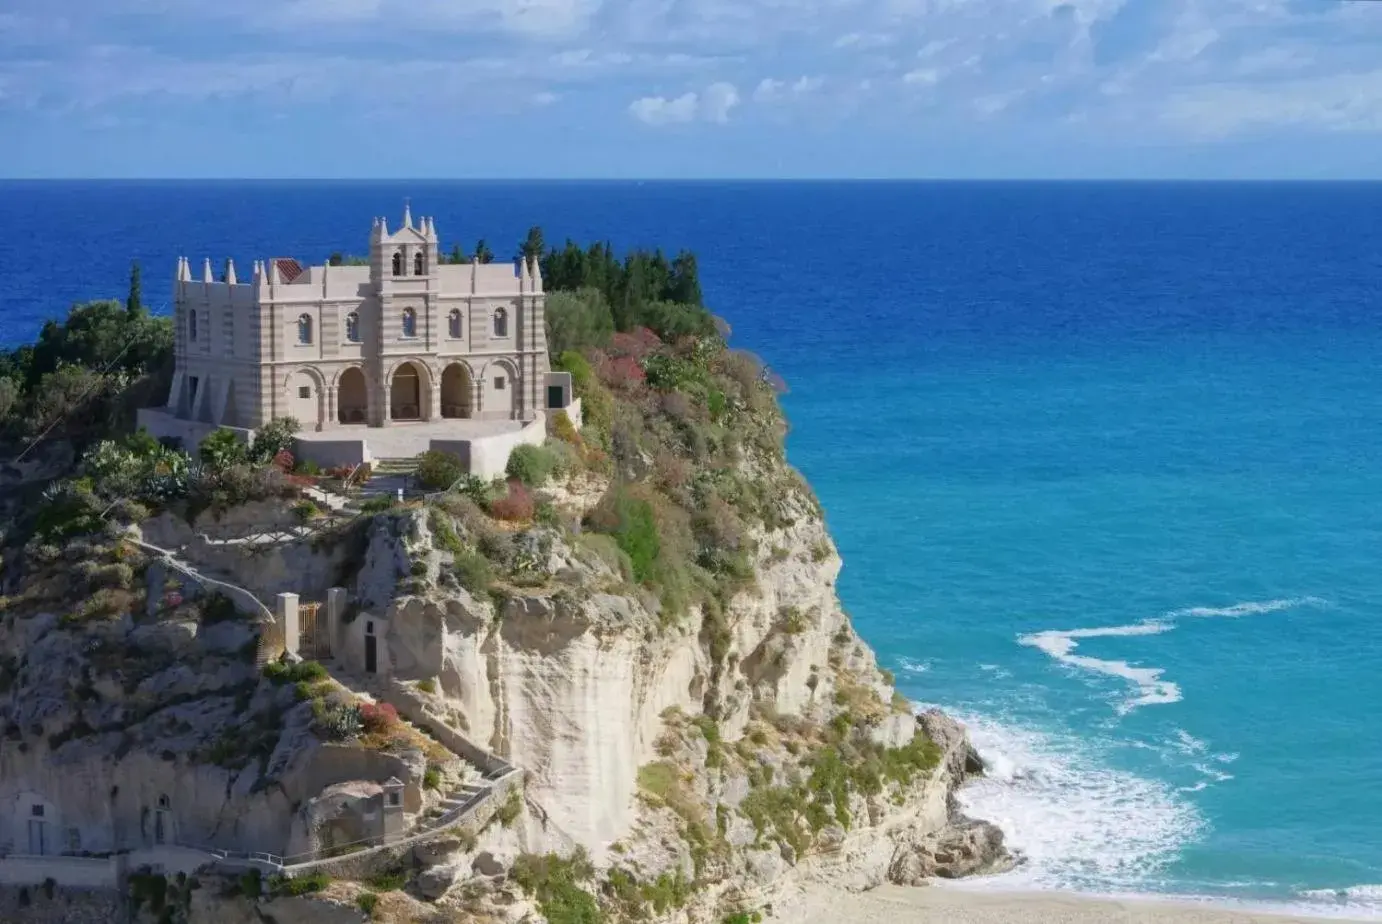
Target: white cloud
[772,90]
[718,100]
[659,110]
[713,105]
[1336,102]
[1176,66]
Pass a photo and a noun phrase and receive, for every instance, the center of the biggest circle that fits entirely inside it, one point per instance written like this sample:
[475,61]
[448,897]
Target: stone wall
[365,863]
[29,905]
[488,456]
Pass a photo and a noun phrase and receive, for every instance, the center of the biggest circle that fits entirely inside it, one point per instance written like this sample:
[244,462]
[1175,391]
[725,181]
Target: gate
[314,642]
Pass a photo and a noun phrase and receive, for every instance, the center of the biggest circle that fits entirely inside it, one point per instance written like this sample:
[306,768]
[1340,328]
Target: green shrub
[554,882]
[390,880]
[564,430]
[367,901]
[631,522]
[279,672]
[508,813]
[427,685]
[250,884]
[473,571]
[437,471]
[532,465]
[299,885]
[221,449]
[379,503]
[306,510]
[431,778]
[217,607]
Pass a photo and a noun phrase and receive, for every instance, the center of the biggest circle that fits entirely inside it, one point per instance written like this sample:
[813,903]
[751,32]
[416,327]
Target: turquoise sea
[1104,462]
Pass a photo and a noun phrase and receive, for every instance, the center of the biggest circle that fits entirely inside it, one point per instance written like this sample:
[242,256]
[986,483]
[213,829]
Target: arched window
[192,325]
[304,328]
[453,324]
[398,264]
[409,322]
[501,323]
[417,264]
[163,802]
[353,327]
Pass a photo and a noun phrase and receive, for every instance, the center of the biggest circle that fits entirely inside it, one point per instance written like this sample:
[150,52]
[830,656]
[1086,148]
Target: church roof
[288,268]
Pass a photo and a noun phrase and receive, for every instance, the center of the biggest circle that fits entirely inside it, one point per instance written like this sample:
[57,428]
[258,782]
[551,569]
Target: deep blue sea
[1104,462]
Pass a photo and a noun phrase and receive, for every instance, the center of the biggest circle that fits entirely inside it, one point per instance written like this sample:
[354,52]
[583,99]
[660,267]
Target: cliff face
[739,750]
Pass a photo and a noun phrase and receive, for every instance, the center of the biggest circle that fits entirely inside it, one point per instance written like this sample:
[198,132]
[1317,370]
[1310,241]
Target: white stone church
[399,354]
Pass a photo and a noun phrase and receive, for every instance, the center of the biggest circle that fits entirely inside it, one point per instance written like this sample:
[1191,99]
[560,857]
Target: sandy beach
[899,905]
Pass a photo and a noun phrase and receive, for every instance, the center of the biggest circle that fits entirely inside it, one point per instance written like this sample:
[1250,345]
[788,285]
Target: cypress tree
[134,306]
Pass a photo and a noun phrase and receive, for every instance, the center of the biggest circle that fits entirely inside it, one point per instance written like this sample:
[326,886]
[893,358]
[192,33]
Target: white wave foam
[1079,823]
[913,666]
[1356,900]
[1151,689]
[1188,743]
[1250,608]
[1217,776]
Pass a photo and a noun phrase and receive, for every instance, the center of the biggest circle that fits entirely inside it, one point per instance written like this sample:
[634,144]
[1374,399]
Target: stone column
[288,619]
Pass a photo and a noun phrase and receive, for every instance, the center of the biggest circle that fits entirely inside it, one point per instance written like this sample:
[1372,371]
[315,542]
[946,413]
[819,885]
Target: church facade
[403,340]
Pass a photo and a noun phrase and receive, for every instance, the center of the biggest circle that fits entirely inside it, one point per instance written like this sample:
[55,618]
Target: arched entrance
[408,393]
[455,391]
[351,397]
[304,400]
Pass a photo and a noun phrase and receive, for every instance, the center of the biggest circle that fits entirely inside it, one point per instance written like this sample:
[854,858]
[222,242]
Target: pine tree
[482,252]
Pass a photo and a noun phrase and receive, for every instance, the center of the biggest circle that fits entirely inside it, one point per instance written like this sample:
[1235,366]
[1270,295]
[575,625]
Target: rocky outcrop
[677,747]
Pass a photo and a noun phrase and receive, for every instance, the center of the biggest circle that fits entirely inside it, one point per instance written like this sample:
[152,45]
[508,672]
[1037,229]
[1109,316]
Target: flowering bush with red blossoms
[284,461]
[622,372]
[515,506]
[378,717]
[636,343]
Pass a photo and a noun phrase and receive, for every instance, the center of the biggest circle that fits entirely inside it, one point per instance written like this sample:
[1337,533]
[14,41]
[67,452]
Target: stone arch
[417,263]
[457,391]
[499,389]
[410,390]
[304,397]
[398,263]
[352,396]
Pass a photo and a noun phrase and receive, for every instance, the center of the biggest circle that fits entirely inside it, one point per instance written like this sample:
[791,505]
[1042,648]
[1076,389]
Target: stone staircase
[457,801]
[388,476]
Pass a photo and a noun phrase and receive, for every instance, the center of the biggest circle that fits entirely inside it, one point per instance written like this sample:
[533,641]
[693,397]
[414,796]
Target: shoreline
[821,904]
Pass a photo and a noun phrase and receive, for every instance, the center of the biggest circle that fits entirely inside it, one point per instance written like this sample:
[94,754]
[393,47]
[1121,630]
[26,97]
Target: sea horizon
[1093,453]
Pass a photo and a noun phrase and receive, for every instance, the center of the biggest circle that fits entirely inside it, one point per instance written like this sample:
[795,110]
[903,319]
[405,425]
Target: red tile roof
[288,268]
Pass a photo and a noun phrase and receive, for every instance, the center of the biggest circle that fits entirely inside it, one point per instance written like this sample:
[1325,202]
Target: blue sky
[691,88]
